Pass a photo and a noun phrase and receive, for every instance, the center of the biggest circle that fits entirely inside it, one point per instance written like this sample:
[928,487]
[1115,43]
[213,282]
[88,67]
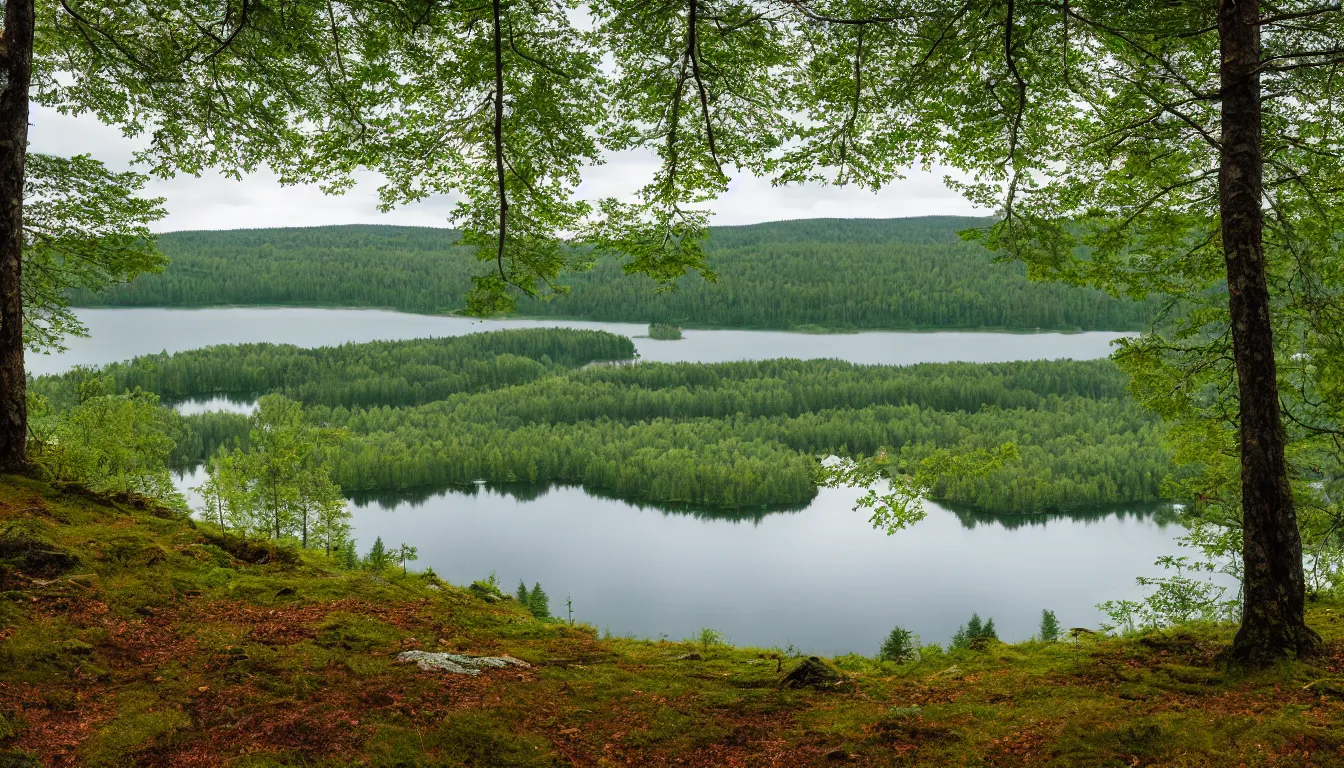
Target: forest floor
[128,638]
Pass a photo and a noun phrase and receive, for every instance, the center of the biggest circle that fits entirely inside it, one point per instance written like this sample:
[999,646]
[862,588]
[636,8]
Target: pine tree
[900,645]
[538,603]
[522,595]
[974,629]
[1050,630]
[350,556]
[377,558]
[987,631]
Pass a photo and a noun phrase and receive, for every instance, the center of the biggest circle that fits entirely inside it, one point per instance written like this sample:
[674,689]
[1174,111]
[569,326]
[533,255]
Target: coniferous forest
[528,406]
[826,273]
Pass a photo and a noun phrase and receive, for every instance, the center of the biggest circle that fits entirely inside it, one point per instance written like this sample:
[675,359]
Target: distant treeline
[373,373]
[517,406]
[822,273]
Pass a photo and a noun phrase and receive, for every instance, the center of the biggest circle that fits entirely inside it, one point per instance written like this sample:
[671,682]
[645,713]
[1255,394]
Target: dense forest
[828,273]
[523,406]
[373,373]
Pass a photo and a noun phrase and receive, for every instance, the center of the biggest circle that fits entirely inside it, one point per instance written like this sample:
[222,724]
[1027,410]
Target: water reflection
[1161,514]
[819,577]
[228,403]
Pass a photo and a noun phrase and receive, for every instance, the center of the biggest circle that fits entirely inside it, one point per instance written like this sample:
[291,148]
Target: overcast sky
[213,202]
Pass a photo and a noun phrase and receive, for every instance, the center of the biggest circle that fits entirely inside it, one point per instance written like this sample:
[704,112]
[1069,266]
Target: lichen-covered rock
[458,664]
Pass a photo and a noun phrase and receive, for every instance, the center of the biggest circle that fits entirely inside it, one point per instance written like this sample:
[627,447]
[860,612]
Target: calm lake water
[118,334]
[820,578]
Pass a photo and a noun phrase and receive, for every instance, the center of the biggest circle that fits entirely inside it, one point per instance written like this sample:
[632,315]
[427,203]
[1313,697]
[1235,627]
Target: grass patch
[157,644]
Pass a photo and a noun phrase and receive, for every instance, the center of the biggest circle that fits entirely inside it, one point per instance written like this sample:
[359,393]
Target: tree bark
[17,60]
[1273,624]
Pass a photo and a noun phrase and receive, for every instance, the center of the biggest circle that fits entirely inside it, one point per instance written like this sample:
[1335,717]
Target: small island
[664,331]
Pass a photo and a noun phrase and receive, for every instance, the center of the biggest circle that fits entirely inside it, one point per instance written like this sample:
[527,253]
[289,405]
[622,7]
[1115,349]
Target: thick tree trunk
[17,64]
[1273,625]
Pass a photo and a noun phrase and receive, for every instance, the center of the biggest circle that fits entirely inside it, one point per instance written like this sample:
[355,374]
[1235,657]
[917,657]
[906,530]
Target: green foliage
[1173,600]
[709,639]
[1050,630]
[84,230]
[521,594]
[378,557]
[730,435]
[538,602]
[403,554]
[369,374]
[111,443]
[279,487]
[972,631]
[823,273]
[900,645]
[664,331]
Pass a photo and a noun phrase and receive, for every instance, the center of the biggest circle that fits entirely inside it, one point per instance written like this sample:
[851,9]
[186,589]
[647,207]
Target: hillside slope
[129,637]
[832,273]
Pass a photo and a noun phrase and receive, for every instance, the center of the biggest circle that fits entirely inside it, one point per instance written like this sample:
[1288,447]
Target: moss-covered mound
[132,638]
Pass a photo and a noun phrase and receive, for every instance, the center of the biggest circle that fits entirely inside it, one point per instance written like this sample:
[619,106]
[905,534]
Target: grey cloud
[214,202]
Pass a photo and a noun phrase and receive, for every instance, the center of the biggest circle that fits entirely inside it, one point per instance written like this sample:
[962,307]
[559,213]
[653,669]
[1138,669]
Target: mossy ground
[158,648]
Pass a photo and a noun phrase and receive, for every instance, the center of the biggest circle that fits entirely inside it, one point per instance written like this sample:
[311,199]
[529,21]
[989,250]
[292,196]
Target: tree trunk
[1273,624]
[17,59]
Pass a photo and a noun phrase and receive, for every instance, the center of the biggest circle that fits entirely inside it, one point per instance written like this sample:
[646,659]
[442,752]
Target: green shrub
[664,331]
[709,639]
[900,645]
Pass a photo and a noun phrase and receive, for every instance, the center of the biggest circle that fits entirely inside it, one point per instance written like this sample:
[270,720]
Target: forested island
[825,273]
[523,406]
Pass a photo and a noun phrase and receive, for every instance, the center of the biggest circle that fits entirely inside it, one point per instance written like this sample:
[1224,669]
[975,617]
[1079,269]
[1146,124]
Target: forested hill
[829,273]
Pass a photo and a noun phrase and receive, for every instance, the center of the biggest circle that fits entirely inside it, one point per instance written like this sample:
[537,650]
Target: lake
[119,334]
[819,578]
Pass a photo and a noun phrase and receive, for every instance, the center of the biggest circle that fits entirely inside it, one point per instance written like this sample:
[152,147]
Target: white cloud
[214,202]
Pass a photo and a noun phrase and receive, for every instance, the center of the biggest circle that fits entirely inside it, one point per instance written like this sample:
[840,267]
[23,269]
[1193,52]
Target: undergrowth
[130,637]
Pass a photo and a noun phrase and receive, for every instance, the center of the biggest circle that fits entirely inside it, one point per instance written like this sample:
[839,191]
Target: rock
[286,592]
[434,587]
[692,656]
[380,580]
[1078,632]
[34,555]
[488,592]
[458,664]
[951,673]
[836,755]
[76,647]
[811,673]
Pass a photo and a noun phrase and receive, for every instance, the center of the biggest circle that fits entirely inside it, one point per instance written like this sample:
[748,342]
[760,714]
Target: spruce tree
[900,645]
[523,596]
[377,558]
[988,632]
[538,602]
[1049,626]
